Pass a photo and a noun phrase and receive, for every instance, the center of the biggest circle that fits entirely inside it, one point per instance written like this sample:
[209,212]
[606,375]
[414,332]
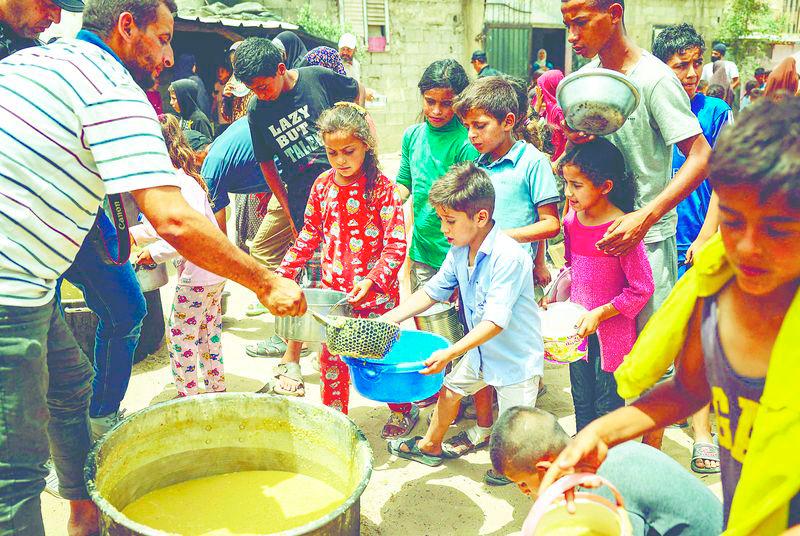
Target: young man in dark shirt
[283,124]
[283,119]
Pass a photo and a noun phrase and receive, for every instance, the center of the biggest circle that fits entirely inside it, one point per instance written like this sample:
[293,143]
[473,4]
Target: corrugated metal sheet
[508,35]
[508,50]
[539,13]
[239,23]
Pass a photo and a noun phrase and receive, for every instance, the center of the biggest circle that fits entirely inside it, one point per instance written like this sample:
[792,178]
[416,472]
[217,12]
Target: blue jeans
[594,391]
[45,387]
[114,294]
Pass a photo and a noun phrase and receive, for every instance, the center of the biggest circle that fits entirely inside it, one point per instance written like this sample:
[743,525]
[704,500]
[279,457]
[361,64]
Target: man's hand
[283,297]
[588,323]
[625,233]
[576,136]
[359,292]
[144,258]
[541,275]
[584,454]
[437,362]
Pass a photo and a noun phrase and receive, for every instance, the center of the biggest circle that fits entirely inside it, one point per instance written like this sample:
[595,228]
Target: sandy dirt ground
[402,497]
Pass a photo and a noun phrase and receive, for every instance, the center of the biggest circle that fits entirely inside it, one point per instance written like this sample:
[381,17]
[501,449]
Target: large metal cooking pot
[202,436]
[441,319]
[305,328]
[597,101]
[151,277]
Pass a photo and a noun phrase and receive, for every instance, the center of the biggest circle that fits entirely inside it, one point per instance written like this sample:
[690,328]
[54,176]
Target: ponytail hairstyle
[351,118]
[601,161]
[445,74]
[179,150]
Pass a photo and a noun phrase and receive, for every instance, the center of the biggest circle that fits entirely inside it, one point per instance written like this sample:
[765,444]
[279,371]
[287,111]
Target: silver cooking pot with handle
[441,319]
[305,328]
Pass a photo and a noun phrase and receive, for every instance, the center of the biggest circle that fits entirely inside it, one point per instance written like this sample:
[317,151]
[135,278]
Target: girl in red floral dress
[355,212]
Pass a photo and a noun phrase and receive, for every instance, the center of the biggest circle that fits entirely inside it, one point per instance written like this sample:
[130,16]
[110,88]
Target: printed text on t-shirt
[293,135]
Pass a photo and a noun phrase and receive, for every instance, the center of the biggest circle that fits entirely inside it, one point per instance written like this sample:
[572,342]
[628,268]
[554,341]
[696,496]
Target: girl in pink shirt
[194,329]
[613,289]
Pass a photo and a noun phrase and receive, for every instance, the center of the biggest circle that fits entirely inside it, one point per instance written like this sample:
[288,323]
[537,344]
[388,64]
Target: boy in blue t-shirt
[504,346]
[525,188]
[682,48]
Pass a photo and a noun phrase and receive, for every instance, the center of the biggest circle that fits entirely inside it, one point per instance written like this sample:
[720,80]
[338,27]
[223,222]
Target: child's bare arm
[547,226]
[667,403]
[417,303]
[481,333]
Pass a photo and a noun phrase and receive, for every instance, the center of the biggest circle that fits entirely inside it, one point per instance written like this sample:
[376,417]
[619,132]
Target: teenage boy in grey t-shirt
[664,118]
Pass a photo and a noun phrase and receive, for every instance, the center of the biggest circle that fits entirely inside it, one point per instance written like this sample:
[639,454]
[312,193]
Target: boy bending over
[668,500]
[492,272]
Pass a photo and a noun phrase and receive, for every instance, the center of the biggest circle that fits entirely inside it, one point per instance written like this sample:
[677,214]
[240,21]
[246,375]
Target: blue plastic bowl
[396,377]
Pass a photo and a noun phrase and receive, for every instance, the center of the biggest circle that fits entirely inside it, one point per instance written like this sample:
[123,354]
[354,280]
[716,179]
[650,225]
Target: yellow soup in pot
[243,503]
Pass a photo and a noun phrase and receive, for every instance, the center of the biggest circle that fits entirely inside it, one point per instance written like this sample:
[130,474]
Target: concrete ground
[403,497]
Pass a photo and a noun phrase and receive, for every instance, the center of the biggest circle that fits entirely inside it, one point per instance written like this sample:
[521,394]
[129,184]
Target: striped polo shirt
[74,127]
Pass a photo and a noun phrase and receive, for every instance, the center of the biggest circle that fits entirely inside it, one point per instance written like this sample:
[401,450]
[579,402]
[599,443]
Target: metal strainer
[366,338]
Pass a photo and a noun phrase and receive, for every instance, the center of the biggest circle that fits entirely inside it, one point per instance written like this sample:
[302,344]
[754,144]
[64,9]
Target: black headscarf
[192,117]
[184,68]
[295,49]
[186,95]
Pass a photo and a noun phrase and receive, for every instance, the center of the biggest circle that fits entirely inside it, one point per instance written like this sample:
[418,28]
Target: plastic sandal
[288,370]
[255,309]
[400,424]
[452,448]
[413,453]
[493,478]
[272,347]
[705,451]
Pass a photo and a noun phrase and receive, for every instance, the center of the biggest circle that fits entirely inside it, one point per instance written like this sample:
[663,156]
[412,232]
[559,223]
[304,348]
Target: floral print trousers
[195,338]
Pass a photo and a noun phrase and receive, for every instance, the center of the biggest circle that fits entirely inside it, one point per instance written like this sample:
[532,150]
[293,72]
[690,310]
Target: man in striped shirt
[76,126]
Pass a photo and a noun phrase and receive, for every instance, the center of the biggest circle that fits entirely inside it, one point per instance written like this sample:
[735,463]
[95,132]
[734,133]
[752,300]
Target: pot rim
[599,71]
[106,508]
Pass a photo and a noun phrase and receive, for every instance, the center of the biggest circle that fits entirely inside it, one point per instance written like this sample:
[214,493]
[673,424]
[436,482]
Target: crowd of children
[486,169]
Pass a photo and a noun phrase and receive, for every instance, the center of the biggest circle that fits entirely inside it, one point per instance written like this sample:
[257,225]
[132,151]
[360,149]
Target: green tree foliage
[745,27]
[317,26]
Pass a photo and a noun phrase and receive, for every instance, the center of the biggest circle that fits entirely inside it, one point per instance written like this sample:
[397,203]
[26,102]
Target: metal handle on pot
[343,301]
[561,486]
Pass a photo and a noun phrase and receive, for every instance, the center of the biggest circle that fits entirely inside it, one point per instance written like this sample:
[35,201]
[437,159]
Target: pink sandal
[400,424]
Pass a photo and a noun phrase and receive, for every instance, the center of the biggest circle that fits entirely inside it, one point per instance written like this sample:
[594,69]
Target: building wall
[643,16]
[421,31]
